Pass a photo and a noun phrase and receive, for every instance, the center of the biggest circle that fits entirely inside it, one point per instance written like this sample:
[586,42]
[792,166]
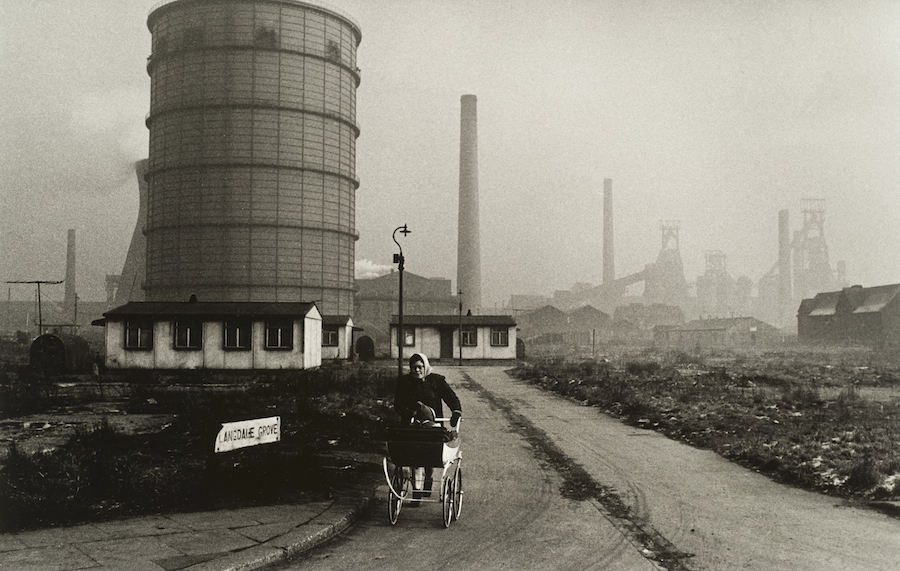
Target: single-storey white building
[213,335]
[337,337]
[484,337]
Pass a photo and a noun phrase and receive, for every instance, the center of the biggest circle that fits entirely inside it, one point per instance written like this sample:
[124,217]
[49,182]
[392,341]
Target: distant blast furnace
[468,264]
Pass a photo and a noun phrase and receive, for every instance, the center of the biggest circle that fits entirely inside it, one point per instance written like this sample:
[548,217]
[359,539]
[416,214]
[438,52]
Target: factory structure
[667,312]
[247,207]
[252,170]
[248,194]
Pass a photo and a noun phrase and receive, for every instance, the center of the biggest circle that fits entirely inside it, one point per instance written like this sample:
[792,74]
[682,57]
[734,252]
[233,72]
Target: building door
[446,343]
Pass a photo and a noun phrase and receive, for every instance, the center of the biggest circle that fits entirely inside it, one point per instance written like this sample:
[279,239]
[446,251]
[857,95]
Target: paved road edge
[333,521]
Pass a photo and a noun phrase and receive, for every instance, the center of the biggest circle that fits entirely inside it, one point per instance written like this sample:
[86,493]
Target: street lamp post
[398,259]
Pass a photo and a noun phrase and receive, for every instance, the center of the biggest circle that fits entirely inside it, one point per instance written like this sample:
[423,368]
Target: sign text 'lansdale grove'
[234,435]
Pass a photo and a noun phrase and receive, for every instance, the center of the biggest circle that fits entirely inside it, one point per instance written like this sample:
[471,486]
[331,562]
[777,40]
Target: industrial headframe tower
[252,169]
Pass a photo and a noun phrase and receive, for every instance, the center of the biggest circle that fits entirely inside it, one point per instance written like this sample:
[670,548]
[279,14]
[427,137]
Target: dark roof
[824,303]
[209,309]
[335,319]
[547,309]
[856,299]
[455,320]
[875,298]
[718,324]
[589,310]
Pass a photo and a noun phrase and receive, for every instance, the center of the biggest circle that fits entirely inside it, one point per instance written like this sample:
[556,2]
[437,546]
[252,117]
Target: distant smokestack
[784,260]
[69,299]
[609,267]
[468,256]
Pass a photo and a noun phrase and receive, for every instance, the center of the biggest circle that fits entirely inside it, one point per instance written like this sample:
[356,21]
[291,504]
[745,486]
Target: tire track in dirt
[579,485]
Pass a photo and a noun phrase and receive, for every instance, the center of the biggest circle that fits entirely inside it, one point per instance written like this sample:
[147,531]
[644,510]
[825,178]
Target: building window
[188,334]
[469,337]
[237,335]
[138,335]
[409,336]
[279,335]
[499,337]
[329,337]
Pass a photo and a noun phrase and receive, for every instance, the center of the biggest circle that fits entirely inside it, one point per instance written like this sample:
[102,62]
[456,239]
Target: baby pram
[416,446]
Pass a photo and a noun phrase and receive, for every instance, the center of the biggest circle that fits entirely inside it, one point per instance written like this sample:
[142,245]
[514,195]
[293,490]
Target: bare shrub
[863,475]
[642,369]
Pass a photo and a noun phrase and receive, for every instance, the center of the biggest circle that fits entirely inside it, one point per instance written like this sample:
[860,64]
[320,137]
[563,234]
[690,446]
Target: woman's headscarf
[423,359]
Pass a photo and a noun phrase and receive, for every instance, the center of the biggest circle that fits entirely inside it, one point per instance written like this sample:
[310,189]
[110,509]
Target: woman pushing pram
[419,400]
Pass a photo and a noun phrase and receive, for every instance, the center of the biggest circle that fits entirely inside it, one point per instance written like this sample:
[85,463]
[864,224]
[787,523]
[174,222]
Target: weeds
[101,473]
[783,414]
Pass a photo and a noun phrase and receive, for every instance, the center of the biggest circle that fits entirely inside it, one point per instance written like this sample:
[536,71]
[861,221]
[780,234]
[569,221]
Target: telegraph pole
[38,282]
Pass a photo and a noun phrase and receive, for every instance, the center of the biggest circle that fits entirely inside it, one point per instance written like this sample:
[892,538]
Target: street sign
[234,435]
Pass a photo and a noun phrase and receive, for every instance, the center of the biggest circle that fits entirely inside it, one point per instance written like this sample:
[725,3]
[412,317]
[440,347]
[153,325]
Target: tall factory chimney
[784,261]
[609,268]
[69,299]
[468,256]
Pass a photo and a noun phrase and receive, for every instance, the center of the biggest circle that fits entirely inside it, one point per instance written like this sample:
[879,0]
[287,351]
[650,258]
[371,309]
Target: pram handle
[448,419]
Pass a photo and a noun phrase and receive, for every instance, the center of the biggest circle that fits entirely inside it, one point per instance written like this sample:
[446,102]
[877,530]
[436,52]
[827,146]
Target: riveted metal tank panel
[252,169]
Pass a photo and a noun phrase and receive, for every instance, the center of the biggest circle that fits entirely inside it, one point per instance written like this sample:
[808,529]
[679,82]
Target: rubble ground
[825,421]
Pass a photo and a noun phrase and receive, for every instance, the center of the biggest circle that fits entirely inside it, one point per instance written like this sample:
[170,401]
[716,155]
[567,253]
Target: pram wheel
[447,501]
[457,492]
[399,484]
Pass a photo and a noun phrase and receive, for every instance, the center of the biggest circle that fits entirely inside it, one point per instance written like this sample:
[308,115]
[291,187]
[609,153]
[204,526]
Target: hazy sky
[715,113]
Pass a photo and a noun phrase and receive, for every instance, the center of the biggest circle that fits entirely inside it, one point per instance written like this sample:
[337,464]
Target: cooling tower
[70,295]
[252,171]
[468,255]
[131,283]
[609,268]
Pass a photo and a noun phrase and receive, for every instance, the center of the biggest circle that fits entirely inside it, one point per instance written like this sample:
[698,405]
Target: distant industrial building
[718,333]
[252,169]
[802,266]
[543,321]
[377,301]
[584,326]
[854,315]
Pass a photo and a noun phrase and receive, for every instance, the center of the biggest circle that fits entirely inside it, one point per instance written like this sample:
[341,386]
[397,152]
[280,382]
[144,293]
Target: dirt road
[514,516]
